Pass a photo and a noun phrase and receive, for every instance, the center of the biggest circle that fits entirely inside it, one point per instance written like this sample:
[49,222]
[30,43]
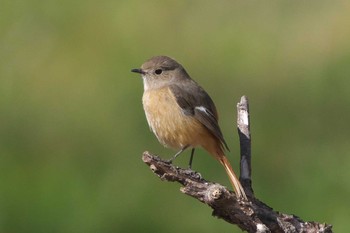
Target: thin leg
[191,159]
[178,153]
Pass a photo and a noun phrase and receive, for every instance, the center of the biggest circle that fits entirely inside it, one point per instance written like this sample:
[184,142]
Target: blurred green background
[72,128]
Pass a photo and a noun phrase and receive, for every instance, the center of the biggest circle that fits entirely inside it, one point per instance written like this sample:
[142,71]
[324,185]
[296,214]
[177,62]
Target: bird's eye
[158,71]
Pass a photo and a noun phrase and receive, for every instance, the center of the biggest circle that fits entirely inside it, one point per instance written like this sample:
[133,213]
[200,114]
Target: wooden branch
[252,215]
[243,128]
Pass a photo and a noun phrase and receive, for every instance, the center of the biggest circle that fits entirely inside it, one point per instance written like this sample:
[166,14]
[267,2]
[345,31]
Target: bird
[181,114]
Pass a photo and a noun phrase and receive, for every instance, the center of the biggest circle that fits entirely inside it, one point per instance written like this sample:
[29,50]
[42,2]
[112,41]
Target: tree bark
[252,215]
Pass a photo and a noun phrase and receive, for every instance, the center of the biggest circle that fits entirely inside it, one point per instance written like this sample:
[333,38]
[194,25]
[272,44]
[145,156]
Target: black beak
[140,71]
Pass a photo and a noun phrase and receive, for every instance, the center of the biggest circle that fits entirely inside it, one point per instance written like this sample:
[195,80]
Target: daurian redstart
[181,114]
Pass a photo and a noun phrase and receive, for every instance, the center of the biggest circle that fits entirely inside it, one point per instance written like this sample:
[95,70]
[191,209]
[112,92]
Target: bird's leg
[177,154]
[191,159]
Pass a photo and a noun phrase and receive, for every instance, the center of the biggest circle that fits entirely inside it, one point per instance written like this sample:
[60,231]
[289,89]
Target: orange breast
[171,126]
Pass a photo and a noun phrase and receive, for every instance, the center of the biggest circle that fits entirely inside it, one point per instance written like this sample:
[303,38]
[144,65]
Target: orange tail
[233,178]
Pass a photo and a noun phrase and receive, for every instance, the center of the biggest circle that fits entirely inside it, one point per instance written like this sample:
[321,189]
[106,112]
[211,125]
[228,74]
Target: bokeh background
[72,128]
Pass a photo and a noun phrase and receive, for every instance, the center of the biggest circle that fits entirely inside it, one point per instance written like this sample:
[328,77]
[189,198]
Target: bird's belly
[168,122]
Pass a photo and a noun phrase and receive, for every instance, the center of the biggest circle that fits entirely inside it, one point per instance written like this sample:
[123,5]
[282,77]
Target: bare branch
[252,215]
[243,127]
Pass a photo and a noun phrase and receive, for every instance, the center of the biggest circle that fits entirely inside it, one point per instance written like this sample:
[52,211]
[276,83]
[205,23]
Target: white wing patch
[203,109]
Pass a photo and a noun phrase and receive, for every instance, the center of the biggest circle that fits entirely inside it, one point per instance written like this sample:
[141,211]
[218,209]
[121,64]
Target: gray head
[160,71]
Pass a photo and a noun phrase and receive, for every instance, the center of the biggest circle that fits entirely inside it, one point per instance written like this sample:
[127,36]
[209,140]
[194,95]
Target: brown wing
[195,102]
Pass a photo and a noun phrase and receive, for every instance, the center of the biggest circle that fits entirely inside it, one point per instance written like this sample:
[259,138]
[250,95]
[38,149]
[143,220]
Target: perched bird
[181,114]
